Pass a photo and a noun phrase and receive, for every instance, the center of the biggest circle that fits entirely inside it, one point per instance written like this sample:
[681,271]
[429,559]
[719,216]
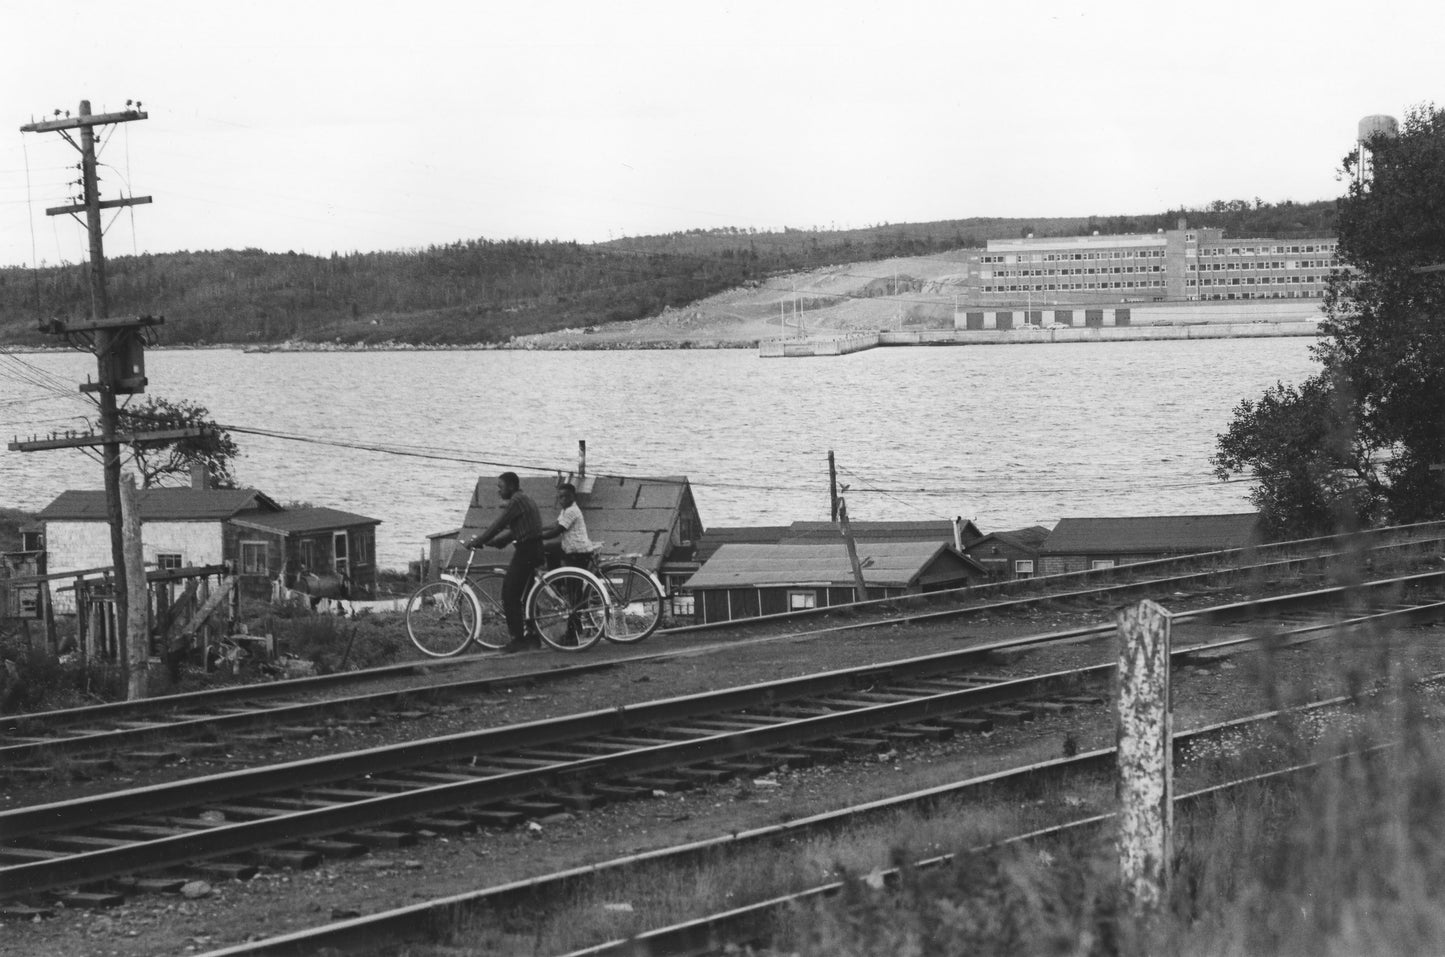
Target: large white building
[1108,280]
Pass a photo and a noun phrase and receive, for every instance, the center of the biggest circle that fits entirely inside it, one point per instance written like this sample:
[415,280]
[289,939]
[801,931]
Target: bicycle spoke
[635,607]
[441,618]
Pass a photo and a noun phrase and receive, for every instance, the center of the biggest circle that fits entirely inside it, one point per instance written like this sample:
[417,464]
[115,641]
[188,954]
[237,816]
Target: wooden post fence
[1144,730]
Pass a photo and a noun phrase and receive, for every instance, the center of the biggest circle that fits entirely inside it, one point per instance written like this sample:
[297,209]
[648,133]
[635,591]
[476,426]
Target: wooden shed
[653,519]
[1081,544]
[316,539]
[1009,555]
[745,581]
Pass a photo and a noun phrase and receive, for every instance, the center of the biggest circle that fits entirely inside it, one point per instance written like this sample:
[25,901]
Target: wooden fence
[188,608]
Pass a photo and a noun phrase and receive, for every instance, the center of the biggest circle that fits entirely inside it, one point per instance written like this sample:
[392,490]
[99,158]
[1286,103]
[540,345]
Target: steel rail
[166,707]
[699,748]
[554,730]
[714,933]
[394,925]
[183,721]
[284,827]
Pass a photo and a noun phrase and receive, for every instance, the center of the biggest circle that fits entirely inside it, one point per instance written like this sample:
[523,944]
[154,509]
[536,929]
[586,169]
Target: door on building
[341,557]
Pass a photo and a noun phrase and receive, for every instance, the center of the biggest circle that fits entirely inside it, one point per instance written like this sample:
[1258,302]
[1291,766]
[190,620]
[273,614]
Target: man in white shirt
[566,541]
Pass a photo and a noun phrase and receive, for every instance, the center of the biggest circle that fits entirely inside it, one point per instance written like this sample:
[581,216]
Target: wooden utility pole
[833,486]
[858,583]
[118,344]
[135,650]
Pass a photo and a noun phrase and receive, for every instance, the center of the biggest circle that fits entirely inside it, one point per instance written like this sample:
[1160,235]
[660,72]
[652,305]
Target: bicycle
[566,607]
[634,597]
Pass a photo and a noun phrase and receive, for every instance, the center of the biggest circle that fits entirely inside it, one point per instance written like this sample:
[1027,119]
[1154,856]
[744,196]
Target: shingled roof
[885,564]
[1176,534]
[307,519]
[162,505]
[931,530]
[629,516]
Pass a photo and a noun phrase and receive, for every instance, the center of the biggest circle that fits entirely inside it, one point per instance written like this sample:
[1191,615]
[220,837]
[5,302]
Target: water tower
[1369,128]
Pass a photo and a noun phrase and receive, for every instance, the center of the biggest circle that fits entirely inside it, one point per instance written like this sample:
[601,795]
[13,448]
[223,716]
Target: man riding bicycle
[521,524]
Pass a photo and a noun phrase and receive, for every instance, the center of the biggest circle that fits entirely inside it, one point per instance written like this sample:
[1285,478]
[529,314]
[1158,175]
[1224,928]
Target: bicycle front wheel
[634,603]
[491,618]
[568,609]
[441,618]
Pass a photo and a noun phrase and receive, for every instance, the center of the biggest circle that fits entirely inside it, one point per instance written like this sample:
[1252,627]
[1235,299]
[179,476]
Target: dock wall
[842,345]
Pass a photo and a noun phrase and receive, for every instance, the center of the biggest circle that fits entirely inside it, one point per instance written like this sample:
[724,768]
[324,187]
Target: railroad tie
[338,849]
[495,817]
[380,838]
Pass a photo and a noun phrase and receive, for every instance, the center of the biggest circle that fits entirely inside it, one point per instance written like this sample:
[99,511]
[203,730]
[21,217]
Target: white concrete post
[1144,727]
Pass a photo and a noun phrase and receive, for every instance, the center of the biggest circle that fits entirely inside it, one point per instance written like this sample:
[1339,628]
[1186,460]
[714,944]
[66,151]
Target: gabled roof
[716,538]
[933,530]
[161,505]
[892,564]
[629,516]
[1028,539]
[1181,534]
[308,519]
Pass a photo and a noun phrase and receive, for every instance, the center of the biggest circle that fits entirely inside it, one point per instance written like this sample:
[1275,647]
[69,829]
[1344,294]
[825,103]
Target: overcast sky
[363,125]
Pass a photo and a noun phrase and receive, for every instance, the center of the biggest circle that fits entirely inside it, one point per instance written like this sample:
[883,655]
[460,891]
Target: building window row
[1077,271]
[1293,294]
[1260,280]
[1072,257]
[1043,287]
[1267,264]
[1266,250]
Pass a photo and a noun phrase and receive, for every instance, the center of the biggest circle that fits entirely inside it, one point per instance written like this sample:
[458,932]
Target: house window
[308,554]
[341,563]
[168,560]
[1023,568]
[253,558]
[802,600]
[1101,563]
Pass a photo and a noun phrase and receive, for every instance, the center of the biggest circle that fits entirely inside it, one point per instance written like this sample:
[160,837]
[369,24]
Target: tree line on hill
[481,291]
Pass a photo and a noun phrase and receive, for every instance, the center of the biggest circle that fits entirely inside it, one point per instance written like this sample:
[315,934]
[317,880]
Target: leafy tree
[1376,409]
[170,458]
[1312,467]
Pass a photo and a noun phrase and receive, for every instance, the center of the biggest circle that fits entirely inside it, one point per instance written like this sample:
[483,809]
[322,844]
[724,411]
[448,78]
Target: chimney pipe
[199,477]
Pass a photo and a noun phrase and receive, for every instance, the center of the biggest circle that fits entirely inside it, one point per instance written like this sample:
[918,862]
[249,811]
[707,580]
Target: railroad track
[714,933]
[30,743]
[296,813]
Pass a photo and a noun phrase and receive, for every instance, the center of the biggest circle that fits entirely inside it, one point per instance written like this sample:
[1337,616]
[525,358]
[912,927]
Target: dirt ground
[277,901]
[849,297]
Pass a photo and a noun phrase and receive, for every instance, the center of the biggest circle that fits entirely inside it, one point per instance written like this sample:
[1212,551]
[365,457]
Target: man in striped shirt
[521,524]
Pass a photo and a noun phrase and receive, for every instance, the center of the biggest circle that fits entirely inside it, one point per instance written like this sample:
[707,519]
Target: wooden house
[942,532]
[958,532]
[1081,544]
[654,521]
[315,539]
[1009,555]
[184,527]
[744,581]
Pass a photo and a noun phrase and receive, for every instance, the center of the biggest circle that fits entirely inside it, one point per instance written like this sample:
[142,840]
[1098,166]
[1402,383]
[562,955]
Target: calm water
[1008,435]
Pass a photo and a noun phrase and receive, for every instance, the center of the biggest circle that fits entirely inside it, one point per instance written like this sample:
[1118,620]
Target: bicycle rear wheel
[634,603]
[441,618]
[568,609]
[491,629]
